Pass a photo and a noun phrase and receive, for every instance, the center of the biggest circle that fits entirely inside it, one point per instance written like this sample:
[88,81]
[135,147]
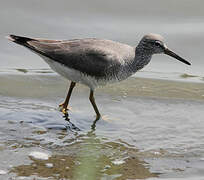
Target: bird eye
[158,44]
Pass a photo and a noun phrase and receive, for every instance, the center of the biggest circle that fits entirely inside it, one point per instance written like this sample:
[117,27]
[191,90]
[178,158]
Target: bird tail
[19,39]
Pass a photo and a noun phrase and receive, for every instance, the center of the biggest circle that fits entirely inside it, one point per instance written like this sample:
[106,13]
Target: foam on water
[39,155]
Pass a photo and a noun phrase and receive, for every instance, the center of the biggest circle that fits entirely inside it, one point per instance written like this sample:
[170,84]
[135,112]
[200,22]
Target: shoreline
[173,76]
[21,83]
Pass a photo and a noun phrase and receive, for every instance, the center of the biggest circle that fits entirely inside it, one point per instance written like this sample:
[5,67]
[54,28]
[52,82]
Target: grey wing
[86,58]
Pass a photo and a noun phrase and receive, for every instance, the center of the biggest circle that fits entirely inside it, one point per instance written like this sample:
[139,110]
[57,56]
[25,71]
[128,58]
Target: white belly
[74,75]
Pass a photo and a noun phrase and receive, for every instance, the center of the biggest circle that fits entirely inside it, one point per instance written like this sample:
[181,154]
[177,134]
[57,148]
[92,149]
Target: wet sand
[150,128]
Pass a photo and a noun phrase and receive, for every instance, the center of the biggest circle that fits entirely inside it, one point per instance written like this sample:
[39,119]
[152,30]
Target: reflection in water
[71,126]
[99,149]
[91,158]
[87,156]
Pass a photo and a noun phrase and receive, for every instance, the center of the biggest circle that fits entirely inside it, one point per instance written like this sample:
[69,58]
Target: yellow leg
[64,106]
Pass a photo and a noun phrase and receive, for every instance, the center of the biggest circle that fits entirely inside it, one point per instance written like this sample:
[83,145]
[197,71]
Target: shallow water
[152,123]
[149,128]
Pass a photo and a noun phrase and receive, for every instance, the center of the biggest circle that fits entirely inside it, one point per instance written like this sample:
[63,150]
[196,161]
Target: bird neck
[142,57]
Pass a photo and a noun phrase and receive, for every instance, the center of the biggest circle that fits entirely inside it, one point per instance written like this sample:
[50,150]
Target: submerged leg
[91,98]
[64,105]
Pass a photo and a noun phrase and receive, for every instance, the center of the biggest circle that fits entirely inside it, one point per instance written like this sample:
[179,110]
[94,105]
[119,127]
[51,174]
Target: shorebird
[95,62]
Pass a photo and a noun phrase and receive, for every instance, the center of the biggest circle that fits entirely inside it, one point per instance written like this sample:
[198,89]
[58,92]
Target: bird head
[154,44]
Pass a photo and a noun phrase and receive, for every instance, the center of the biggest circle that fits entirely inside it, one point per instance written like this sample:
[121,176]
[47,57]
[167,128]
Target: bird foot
[64,108]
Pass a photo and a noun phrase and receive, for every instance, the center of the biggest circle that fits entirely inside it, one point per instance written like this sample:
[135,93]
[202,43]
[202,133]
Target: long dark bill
[172,54]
